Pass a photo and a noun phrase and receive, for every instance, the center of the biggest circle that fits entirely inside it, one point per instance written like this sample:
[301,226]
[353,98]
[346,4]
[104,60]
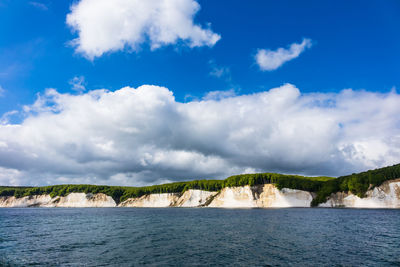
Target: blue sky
[350,45]
[355,45]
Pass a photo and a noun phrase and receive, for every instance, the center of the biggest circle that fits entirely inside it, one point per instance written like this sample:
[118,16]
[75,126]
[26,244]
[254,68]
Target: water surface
[202,236]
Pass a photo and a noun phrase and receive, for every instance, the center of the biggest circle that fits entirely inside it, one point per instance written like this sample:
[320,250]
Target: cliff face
[386,195]
[82,200]
[190,198]
[234,197]
[261,196]
[195,198]
[29,201]
[73,200]
[271,197]
[152,201]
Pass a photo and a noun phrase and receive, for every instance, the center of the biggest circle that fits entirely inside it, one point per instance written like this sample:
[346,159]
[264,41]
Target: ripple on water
[193,237]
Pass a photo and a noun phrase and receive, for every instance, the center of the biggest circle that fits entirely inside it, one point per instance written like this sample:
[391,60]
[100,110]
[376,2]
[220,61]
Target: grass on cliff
[121,193]
[323,186]
[357,183]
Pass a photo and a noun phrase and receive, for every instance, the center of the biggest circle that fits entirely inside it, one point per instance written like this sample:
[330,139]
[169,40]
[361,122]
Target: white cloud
[220,71]
[10,176]
[5,118]
[78,83]
[218,95]
[2,91]
[39,5]
[269,60]
[223,73]
[109,26]
[144,136]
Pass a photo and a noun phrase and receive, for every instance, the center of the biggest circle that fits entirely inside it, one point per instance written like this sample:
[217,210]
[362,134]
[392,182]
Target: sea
[199,237]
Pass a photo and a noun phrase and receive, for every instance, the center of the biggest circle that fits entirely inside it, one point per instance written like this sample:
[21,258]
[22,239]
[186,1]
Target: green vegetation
[121,193]
[322,186]
[357,184]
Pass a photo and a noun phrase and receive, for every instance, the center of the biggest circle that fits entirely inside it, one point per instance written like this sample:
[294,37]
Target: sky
[130,92]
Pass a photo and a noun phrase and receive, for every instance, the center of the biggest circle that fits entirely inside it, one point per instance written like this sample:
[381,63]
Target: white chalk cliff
[23,202]
[76,200]
[152,201]
[73,200]
[387,195]
[195,198]
[260,196]
[190,198]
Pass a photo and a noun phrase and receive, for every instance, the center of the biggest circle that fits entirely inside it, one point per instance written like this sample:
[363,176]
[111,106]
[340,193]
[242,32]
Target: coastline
[385,196]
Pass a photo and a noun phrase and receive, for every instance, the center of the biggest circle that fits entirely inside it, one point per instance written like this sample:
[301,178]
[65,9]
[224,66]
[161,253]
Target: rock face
[272,197]
[234,197]
[82,200]
[73,200]
[261,196]
[194,198]
[152,201]
[190,198]
[23,202]
[386,195]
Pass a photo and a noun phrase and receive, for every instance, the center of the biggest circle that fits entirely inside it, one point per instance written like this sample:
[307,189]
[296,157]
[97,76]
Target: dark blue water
[186,237]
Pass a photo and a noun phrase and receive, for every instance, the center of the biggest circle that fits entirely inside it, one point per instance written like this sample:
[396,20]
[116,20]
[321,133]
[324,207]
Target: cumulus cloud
[10,176]
[5,118]
[108,26]
[218,95]
[144,136]
[269,60]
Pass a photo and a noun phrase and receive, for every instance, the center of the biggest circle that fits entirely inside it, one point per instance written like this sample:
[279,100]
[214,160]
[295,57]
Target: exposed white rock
[82,200]
[23,202]
[386,195]
[194,198]
[78,200]
[152,201]
[261,196]
[234,197]
[272,197]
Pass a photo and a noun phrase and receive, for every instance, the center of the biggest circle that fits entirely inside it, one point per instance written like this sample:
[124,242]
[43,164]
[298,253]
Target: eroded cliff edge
[379,188]
[386,195]
[260,196]
[73,200]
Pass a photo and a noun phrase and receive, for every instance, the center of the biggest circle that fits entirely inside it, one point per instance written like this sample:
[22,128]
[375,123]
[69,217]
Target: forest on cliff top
[322,186]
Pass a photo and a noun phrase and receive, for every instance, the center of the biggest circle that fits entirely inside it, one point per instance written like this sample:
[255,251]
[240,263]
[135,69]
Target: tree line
[323,186]
[357,183]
